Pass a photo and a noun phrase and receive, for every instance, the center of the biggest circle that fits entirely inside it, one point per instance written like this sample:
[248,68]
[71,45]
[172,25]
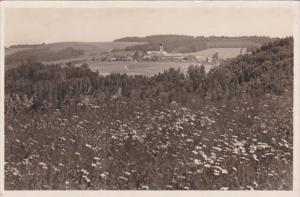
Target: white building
[161,51]
[163,54]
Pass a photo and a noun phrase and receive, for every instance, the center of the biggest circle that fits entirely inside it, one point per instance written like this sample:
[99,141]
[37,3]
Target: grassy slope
[92,48]
[222,52]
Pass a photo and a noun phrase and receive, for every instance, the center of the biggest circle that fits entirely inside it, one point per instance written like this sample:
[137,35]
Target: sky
[37,25]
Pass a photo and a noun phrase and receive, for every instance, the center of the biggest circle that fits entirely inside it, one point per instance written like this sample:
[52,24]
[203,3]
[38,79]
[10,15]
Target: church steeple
[161,48]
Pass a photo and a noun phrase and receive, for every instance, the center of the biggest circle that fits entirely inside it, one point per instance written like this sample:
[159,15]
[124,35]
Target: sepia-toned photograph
[149,97]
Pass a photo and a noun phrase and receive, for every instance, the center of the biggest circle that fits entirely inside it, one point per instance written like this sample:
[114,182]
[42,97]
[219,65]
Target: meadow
[238,145]
[139,68]
[223,53]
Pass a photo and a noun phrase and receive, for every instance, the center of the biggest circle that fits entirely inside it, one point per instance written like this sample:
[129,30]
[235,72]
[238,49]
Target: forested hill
[186,44]
[267,70]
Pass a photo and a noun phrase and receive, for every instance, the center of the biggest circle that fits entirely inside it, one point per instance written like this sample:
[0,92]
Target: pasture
[142,68]
[223,53]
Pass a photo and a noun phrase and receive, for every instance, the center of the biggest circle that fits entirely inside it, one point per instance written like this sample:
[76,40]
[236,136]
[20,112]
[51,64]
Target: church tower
[161,48]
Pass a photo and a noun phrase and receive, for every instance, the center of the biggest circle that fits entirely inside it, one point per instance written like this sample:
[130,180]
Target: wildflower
[86,178]
[97,158]
[216,172]
[255,157]
[207,165]
[16,172]
[103,175]
[123,178]
[62,138]
[43,165]
[145,187]
[114,137]
[197,162]
[198,147]
[224,171]
[255,184]
[265,131]
[26,162]
[88,146]
[217,148]
[224,188]
[56,169]
[84,171]
[249,187]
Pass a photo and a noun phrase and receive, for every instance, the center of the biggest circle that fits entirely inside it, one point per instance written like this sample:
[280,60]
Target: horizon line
[113,40]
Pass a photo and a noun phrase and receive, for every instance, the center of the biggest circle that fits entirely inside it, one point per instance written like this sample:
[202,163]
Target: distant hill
[188,44]
[60,50]
[42,54]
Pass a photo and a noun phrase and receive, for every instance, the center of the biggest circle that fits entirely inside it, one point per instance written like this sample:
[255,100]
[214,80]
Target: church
[163,55]
[161,51]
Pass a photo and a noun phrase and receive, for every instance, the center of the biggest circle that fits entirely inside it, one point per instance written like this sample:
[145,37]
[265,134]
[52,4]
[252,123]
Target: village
[160,56]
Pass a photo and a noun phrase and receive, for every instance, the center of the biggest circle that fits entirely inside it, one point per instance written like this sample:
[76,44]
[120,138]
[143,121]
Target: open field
[223,53]
[148,68]
[143,68]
